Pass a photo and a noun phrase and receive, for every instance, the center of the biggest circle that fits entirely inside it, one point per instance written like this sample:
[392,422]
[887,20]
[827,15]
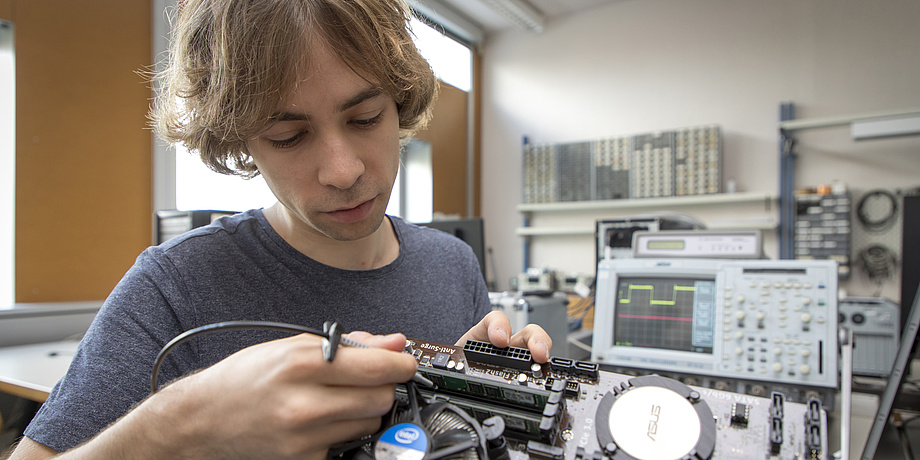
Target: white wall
[639,66]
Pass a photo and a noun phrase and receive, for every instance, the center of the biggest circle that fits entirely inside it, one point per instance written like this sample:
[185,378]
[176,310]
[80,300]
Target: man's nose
[341,163]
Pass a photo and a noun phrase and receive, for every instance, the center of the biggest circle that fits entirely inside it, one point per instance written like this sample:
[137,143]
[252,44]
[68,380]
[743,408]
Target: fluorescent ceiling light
[453,22]
[519,12]
[871,129]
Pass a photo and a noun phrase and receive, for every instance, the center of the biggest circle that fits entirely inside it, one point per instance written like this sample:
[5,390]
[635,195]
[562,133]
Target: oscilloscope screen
[665,313]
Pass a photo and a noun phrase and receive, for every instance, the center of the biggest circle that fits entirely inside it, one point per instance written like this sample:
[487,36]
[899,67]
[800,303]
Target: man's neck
[373,251]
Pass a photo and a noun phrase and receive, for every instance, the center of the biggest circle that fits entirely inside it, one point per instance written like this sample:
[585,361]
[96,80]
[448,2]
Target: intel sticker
[405,441]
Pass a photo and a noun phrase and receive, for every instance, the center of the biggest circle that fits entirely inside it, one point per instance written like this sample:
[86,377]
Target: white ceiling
[489,20]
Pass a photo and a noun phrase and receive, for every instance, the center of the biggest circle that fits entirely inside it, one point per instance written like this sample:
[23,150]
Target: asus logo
[653,422]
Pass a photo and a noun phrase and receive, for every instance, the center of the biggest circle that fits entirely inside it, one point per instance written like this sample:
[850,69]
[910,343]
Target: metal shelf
[645,203]
[753,224]
[826,122]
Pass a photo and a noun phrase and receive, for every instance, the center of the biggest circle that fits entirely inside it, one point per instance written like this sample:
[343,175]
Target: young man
[316,96]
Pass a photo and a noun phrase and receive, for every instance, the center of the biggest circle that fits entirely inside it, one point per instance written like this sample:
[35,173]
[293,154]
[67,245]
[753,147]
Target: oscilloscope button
[777,351]
[777,367]
[805,369]
[806,353]
[806,301]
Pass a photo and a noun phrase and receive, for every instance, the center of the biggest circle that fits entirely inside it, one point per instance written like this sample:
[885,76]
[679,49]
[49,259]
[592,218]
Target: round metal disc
[653,423]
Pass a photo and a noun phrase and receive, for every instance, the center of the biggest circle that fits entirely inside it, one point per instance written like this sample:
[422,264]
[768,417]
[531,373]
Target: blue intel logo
[407,435]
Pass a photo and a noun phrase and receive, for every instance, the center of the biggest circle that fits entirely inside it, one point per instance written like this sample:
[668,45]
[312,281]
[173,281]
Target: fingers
[394,342]
[352,366]
[339,403]
[495,328]
[535,339]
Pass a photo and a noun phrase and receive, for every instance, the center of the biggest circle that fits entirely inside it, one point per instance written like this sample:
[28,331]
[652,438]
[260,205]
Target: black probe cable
[331,339]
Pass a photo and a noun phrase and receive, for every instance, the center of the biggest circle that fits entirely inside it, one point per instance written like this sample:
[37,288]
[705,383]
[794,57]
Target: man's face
[332,153]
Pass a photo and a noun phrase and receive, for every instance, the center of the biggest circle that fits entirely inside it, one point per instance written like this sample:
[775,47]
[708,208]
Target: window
[8,166]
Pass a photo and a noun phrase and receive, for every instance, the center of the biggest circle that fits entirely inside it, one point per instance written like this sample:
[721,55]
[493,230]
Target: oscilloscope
[753,326]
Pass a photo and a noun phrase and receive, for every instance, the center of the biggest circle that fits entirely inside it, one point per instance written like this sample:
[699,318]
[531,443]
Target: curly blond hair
[232,62]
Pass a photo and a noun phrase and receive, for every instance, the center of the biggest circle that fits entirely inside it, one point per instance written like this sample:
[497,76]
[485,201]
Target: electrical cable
[331,338]
[878,262]
[877,223]
[227,325]
[581,309]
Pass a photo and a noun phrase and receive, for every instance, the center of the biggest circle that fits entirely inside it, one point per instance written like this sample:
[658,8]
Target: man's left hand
[495,328]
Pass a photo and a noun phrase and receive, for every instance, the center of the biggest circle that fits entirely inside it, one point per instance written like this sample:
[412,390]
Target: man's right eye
[289,142]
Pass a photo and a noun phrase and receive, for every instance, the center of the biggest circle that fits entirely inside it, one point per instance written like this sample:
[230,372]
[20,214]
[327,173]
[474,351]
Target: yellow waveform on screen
[651,289]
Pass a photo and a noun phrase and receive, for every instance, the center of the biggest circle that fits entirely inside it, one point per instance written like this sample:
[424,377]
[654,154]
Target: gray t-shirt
[239,268]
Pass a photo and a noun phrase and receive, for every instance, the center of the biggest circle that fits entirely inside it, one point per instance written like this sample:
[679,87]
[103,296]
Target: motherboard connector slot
[482,352]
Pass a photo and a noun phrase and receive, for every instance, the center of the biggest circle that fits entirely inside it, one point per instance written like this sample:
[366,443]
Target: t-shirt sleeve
[111,369]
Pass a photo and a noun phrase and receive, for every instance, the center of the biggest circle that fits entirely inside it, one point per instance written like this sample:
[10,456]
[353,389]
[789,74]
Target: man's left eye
[368,122]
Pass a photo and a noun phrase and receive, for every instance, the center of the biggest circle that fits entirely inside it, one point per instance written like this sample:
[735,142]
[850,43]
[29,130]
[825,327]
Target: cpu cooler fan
[430,430]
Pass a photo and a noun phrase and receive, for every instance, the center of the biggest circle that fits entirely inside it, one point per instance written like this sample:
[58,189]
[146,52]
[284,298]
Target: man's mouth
[349,215]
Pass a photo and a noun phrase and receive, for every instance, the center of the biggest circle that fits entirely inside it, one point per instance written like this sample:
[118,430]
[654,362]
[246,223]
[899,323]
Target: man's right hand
[278,399]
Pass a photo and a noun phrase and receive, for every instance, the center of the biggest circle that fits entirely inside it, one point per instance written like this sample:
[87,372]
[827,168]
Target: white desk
[30,371]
